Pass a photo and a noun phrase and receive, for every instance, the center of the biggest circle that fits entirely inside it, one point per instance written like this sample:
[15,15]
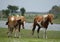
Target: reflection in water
[29,26]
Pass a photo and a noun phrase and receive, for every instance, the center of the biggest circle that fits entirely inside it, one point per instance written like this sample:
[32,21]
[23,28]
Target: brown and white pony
[14,23]
[42,22]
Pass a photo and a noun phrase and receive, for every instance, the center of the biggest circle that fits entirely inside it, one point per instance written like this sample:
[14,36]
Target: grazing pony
[42,22]
[14,23]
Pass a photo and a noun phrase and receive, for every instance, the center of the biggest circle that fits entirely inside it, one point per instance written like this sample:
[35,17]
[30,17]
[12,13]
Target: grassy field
[25,36]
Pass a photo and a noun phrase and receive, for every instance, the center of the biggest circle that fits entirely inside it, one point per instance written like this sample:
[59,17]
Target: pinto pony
[42,22]
[14,23]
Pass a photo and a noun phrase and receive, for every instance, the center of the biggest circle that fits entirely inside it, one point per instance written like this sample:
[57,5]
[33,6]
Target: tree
[6,12]
[22,11]
[55,10]
[12,9]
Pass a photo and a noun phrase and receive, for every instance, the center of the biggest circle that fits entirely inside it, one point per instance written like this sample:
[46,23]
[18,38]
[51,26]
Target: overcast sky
[31,5]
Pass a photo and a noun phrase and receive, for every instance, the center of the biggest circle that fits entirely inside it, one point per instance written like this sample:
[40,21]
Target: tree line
[13,9]
[55,10]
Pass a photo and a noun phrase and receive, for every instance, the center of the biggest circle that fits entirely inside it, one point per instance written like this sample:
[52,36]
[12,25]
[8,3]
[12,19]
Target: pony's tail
[6,23]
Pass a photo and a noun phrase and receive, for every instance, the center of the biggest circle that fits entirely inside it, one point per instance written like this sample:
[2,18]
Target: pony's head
[50,18]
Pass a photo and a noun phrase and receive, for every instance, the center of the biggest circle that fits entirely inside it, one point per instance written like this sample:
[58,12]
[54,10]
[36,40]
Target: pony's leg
[17,31]
[34,26]
[38,30]
[44,34]
[23,25]
[9,32]
[19,27]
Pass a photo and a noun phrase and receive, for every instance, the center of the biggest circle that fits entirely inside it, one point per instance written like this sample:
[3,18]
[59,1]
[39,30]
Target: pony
[14,23]
[42,22]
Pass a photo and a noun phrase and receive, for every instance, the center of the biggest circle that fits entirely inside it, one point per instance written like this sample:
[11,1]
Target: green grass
[53,36]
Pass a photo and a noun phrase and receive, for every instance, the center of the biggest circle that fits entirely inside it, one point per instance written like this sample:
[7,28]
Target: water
[30,25]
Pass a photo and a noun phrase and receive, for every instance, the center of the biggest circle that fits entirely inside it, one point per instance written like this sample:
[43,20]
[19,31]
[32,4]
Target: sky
[30,5]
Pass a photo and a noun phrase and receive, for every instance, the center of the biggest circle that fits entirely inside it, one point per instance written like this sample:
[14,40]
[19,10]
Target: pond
[29,26]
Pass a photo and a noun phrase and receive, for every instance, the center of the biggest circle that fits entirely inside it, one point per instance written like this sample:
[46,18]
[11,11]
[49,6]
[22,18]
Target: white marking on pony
[44,17]
[17,17]
[44,33]
[12,18]
[39,23]
[24,22]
